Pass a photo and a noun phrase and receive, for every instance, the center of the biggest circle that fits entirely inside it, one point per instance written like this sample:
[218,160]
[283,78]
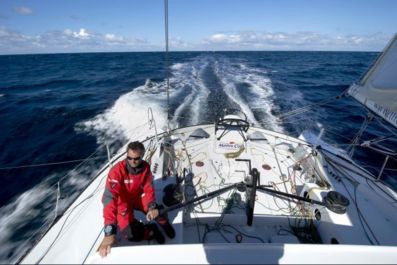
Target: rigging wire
[68,211]
[52,163]
[359,213]
[308,107]
[372,178]
[89,158]
[356,139]
[167,61]
[386,127]
[360,216]
[378,139]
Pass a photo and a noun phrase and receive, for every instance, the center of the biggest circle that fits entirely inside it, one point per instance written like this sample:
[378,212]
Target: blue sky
[50,26]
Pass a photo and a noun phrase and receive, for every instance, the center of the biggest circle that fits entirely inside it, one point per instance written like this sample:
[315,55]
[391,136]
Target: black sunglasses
[134,158]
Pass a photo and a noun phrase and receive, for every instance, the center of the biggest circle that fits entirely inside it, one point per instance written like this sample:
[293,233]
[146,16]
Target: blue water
[65,107]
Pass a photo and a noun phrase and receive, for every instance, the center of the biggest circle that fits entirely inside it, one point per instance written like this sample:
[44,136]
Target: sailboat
[238,193]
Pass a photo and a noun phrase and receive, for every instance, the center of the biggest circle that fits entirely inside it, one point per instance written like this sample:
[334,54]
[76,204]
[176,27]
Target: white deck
[249,254]
[208,232]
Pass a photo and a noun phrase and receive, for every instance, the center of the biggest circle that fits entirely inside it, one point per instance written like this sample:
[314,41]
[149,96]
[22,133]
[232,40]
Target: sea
[59,113]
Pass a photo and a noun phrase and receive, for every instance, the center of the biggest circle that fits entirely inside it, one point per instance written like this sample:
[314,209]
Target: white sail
[377,90]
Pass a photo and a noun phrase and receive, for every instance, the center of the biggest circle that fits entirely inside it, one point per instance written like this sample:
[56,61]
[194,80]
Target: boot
[162,220]
[154,233]
[167,227]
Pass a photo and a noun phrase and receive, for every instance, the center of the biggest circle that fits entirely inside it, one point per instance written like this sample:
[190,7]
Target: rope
[363,170]
[386,127]
[68,211]
[356,139]
[359,213]
[382,151]
[378,139]
[377,168]
[75,168]
[308,107]
[51,164]
[70,161]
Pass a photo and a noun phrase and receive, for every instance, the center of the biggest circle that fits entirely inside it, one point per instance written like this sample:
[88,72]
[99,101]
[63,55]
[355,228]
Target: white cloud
[68,32]
[68,40]
[293,41]
[226,38]
[82,34]
[110,37]
[85,40]
[114,38]
[218,38]
[23,10]
[178,43]
[10,39]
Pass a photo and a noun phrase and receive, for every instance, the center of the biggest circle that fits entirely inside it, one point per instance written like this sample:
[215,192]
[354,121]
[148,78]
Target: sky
[62,26]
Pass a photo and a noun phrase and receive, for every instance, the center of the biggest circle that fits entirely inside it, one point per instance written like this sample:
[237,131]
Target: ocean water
[66,107]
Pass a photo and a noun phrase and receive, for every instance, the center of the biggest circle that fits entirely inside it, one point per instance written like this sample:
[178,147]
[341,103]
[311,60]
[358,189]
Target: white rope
[308,107]
[51,164]
[356,139]
[386,127]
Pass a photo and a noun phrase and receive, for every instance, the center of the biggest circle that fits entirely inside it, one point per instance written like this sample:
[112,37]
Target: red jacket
[124,192]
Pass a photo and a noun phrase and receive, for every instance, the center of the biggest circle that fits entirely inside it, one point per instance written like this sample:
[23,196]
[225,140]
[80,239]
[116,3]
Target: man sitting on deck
[128,188]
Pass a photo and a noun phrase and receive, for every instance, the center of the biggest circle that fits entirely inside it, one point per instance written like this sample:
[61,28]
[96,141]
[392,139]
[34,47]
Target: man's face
[134,157]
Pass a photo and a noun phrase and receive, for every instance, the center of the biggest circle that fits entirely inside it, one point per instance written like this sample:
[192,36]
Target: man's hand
[152,214]
[106,245]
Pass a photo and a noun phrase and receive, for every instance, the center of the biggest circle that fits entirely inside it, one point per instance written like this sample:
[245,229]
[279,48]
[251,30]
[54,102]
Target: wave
[259,86]
[15,217]
[189,76]
[26,218]
[189,95]
[127,119]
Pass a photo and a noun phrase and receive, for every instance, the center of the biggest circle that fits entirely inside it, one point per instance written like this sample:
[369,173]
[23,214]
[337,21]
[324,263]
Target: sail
[377,90]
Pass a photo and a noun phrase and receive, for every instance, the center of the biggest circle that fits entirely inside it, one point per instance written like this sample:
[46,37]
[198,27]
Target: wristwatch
[152,205]
[110,230]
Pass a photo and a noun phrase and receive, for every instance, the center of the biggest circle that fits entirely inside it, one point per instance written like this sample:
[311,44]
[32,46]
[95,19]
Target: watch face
[108,229]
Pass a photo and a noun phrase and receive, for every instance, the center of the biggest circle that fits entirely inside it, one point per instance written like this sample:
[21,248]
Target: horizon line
[178,51]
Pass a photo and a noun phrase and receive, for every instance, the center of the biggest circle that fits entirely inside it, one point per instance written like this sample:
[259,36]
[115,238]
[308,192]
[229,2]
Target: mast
[167,62]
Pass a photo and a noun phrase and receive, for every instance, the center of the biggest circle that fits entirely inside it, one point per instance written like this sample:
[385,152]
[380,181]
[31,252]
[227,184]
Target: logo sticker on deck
[229,146]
